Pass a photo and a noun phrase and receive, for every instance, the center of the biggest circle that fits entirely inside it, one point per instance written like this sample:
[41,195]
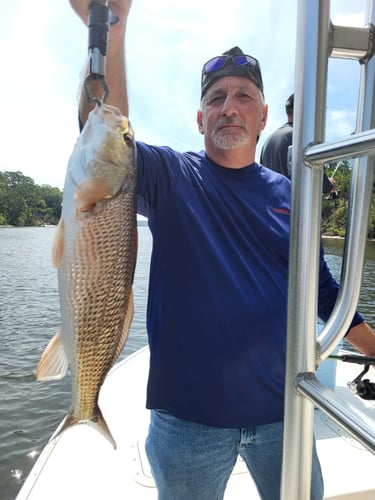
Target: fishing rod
[354,358]
[363,388]
[337,166]
[100,20]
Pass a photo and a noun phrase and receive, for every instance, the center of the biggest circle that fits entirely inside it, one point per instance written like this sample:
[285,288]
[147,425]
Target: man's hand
[117,7]
[333,182]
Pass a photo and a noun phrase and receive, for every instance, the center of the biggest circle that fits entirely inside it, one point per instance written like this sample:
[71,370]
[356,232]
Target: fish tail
[97,421]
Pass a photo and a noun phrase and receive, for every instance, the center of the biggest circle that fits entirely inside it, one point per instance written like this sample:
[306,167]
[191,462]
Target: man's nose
[229,106]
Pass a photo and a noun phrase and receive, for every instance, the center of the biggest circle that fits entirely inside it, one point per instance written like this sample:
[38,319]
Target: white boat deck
[81,464]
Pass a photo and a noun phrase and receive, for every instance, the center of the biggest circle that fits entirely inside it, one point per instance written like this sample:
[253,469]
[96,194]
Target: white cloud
[348,12]
[39,125]
[356,19]
[341,123]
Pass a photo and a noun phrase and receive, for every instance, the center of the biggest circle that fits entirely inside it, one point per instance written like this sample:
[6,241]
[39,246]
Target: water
[30,411]
[29,317]
[334,248]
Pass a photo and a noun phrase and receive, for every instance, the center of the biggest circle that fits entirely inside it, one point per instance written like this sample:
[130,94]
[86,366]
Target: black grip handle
[354,358]
[98,27]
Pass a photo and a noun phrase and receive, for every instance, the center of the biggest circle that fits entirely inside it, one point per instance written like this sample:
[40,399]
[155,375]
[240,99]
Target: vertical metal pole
[308,127]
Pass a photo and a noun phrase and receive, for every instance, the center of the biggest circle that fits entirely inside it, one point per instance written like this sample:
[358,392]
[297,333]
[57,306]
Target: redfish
[95,252]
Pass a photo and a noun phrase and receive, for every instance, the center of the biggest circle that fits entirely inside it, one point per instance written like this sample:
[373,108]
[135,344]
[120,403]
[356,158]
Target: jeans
[191,461]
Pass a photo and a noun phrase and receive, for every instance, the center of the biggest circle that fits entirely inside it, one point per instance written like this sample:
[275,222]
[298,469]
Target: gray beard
[223,141]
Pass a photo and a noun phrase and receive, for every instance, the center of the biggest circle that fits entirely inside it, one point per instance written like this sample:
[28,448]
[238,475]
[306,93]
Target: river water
[29,316]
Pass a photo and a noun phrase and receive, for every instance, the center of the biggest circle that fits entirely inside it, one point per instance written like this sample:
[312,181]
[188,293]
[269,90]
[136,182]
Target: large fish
[95,252]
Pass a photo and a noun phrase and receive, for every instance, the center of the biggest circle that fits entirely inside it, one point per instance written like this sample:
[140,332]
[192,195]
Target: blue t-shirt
[217,304]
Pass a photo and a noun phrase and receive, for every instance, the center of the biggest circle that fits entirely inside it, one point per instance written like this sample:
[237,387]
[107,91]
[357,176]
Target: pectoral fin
[91,191]
[53,363]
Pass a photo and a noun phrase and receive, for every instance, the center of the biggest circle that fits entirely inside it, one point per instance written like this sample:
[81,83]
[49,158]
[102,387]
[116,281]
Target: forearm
[362,337]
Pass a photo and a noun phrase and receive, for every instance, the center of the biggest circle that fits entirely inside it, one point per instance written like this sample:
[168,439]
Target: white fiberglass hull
[80,463]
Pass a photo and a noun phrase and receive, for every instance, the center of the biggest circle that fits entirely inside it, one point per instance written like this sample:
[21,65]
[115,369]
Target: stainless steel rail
[316,39]
[357,423]
[355,146]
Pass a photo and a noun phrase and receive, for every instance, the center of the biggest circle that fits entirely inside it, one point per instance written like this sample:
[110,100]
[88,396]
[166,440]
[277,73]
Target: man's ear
[265,115]
[199,121]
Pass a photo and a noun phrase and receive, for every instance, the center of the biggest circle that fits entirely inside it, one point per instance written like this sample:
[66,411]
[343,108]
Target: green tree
[22,202]
[3,199]
[53,199]
[335,208]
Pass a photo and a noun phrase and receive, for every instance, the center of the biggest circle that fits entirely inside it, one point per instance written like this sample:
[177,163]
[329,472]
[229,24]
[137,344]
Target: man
[216,316]
[274,154]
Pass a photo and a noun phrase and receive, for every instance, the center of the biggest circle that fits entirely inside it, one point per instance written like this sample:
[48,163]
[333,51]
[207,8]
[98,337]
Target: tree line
[24,203]
[335,206]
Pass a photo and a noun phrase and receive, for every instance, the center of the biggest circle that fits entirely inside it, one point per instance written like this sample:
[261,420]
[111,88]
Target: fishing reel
[362,388]
[333,195]
[366,389]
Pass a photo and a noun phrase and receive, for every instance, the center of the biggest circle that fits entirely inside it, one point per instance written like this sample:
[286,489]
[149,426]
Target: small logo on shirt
[281,210]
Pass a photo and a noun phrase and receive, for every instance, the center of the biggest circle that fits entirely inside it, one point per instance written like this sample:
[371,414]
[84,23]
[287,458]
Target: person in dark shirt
[274,154]
[217,300]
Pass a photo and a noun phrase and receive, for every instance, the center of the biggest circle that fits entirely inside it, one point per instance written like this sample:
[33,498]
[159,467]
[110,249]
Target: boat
[81,463]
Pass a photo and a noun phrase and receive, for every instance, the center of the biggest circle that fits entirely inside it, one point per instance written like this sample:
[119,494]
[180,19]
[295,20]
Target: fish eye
[128,138]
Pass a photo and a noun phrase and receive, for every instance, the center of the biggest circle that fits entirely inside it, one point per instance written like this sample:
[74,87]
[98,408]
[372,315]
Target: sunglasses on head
[219,62]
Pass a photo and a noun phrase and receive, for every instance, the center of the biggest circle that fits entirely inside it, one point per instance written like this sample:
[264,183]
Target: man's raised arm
[115,61]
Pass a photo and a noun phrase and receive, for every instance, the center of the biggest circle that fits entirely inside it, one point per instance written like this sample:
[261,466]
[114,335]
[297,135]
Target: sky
[43,49]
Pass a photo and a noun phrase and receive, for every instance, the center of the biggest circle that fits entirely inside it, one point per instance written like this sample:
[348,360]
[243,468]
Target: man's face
[232,113]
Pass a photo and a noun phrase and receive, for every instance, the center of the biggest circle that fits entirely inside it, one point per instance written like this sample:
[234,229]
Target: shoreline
[327,237]
[144,223]
[140,222]
[9,226]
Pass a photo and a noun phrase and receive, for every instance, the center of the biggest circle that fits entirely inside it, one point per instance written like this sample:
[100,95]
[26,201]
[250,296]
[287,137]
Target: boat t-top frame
[318,40]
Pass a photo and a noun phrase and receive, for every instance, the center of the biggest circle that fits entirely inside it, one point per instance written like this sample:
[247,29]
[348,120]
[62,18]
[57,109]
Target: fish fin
[58,244]
[53,364]
[97,422]
[126,326]
[89,192]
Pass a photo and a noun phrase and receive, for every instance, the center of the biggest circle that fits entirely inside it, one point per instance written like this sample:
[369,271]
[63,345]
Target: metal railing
[317,40]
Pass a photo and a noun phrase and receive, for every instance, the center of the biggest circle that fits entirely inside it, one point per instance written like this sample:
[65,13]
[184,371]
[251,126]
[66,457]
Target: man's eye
[216,99]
